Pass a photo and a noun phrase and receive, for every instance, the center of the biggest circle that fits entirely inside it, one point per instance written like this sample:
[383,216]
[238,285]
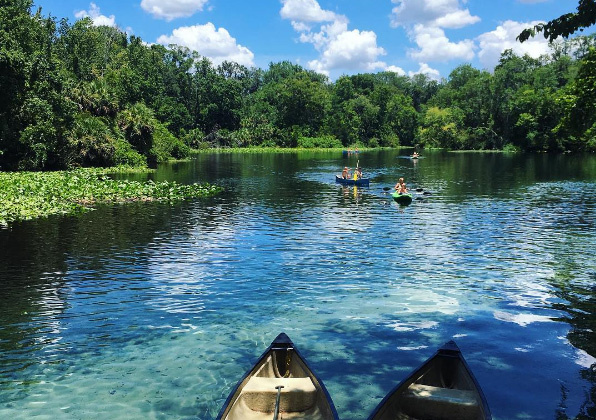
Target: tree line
[75,94]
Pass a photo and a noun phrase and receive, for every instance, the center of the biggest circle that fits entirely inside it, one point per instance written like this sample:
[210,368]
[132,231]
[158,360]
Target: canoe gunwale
[281,342]
[362,182]
[448,350]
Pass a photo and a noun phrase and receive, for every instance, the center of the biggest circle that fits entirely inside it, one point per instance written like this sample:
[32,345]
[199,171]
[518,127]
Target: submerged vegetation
[79,95]
[29,195]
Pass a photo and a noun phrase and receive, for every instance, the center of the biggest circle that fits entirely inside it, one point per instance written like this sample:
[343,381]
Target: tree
[564,25]
[34,109]
[443,128]
[299,101]
[402,119]
[576,103]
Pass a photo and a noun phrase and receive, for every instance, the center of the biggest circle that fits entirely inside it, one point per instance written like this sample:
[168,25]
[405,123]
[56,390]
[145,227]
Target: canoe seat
[432,402]
[297,394]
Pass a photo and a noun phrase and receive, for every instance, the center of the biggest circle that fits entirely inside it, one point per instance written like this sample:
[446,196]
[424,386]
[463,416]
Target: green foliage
[96,97]
[138,122]
[91,142]
[323,142]
[578,124]
[443,128]
[125,155]
[82,95]
[564,25]
[29,195]
[165,145]
[194,138]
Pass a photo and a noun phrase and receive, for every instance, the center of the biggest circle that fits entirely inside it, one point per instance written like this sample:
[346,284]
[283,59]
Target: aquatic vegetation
[30,195]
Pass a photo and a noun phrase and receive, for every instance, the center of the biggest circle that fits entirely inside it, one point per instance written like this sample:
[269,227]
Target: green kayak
[402,198]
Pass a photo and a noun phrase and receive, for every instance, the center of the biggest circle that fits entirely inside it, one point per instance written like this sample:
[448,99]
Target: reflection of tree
[580,305]
[35,261]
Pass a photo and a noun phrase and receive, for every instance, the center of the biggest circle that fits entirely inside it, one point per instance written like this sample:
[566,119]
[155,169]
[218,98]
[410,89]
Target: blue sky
[333,37]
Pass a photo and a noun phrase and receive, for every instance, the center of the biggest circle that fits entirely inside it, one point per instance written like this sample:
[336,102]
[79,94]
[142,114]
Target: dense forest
[75,94]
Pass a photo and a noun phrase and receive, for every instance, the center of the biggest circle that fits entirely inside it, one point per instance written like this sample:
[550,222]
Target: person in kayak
[359,172]
[346,173]
[400,187]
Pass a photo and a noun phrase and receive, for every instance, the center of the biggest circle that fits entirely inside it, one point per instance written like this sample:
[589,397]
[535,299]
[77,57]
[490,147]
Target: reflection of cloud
[412,326]
[426,301]
[584,359]
[521,319]
[412,348]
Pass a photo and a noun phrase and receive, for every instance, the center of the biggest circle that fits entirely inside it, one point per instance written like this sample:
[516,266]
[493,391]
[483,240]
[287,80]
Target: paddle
[276,413]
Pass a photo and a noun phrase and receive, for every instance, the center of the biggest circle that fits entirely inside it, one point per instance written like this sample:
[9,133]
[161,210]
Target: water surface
[152,311]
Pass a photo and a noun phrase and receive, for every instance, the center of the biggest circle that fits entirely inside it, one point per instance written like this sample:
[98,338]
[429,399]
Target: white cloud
[340,48]
[305,11]
[328,33]
[96,16]
[425,69]
[350,50]
[493,43]
[215,44]
[435,46]
[425,21]
[457,19]
[441,13]
[396,69]
[172,9]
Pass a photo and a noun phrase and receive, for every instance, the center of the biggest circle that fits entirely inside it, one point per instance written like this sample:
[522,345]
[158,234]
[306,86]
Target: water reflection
[150,310]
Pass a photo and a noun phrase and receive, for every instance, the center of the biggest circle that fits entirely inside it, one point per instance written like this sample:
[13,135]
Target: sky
[333,37]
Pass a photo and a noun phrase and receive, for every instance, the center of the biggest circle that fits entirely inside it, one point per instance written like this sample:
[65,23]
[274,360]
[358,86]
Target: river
[154,311]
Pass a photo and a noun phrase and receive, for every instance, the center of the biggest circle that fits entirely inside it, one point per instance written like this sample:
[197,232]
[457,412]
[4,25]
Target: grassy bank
[30,195]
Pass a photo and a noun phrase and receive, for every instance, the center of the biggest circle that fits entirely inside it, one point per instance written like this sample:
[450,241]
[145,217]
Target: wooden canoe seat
[440,403]
[297,394]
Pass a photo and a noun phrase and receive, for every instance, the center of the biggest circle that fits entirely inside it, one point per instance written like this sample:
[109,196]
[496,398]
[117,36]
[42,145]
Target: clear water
[151,311]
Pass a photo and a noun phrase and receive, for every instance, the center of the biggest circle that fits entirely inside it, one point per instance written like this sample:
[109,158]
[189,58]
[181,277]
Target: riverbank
[31,195]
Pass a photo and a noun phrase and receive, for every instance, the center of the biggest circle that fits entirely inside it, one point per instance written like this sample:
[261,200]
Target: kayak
[280,385]
[402,198]
[363,182]
[443,388]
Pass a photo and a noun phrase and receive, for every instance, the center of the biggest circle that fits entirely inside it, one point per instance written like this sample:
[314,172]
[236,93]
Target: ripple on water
[165,325]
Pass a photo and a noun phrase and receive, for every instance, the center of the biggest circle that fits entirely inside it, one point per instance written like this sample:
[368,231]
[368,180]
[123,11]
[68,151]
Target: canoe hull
[301,394]
[402,198]
[364,182]
[443,388]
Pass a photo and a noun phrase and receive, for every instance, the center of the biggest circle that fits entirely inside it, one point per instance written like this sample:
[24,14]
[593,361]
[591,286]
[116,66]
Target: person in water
[415,155]
[400,187]
[345,173]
